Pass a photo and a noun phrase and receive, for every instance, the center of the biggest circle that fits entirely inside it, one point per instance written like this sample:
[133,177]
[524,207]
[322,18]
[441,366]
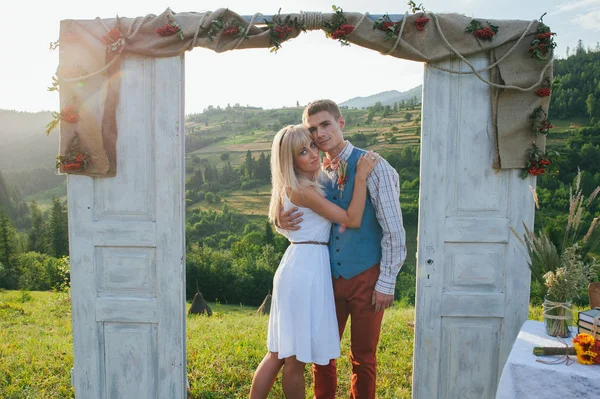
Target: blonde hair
[284,177]
[321,105]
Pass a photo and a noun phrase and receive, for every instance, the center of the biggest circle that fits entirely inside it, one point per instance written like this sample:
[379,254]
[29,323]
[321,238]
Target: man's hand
[381,301]
[290,219]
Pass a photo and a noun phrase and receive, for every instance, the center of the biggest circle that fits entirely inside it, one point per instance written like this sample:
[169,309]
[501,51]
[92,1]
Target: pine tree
[249,163]
[36,236]
[6,239]
[262,170]
[196,181]
[209,174]
[58,229]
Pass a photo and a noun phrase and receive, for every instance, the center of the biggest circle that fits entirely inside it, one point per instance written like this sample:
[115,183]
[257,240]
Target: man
[364,261]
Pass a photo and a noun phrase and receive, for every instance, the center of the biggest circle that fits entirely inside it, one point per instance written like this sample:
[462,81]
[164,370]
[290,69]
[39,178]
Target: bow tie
[329,164]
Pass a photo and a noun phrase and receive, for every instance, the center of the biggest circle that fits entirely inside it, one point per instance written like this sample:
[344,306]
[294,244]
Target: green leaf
[52,125]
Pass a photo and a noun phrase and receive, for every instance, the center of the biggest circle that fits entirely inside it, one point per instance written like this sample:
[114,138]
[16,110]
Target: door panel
[472,280]
[127,247]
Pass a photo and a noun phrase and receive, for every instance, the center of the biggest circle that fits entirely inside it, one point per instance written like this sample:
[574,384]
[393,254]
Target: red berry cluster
[420,23]
[69,115]
[343,31]
[387,26]
[539,167]
[112,36]
[484,34]
[544,126]
[168,29]
[543,36]
[543,42]
[543,91]
[282,31]
[233,30]
[72,165]
[542,47]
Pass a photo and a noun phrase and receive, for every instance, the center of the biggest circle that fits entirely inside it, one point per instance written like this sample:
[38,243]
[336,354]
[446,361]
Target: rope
[137,29]
[193,43]
[476,73]
[358,24]
[107,66]
[509,52]
[311,20]
[399,34]
[241,39]
[103,24]
[549,306]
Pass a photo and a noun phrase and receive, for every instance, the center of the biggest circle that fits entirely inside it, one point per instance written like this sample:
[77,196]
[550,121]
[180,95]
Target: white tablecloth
[523,377]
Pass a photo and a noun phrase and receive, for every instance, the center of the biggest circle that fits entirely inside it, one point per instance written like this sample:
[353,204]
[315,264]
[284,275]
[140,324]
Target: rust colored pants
[353,298]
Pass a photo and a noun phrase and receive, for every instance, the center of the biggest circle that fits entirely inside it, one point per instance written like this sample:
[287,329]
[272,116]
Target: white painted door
[472,279]
[127,247]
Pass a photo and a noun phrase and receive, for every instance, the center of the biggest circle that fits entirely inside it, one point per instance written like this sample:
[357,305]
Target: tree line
[34,258]
[577,94]
[209,183]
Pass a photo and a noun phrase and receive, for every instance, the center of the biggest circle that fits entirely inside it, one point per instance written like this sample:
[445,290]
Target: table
[524,377]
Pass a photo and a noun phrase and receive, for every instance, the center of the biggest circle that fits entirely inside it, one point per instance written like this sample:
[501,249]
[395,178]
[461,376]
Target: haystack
[199,305]
[265,308]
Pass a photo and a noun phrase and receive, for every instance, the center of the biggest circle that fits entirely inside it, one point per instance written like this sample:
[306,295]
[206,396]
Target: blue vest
[355,250]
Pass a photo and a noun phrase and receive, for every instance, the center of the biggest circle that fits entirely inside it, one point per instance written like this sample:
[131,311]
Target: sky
[306,68]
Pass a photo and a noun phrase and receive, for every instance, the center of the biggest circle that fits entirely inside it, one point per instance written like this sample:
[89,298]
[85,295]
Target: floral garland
[385,24]
[543,42]
[480,32]
[420,23]
[234,28]
[74,158]
[539,122]
[280,30]
[215,27]
[338,28]
[169,29]
[538,162]
[68,115]
[587,349]
[114,40]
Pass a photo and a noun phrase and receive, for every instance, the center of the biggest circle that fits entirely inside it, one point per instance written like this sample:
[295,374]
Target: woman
[302,324]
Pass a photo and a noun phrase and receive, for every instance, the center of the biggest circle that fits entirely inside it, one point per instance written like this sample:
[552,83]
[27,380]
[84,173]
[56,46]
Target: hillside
[24,141]
[385,98]
[219,136]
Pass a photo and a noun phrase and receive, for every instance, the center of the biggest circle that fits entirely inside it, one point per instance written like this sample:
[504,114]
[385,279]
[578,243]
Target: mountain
[24,144]
[385,98]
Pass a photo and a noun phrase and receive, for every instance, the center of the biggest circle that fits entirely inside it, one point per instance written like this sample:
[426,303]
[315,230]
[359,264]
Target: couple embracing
[347,245]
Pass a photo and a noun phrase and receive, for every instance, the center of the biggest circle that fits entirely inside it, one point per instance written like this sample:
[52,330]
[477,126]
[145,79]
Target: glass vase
[557,318]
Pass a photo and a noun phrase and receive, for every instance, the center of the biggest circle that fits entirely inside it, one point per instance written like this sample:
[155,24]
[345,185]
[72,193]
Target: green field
[222,350]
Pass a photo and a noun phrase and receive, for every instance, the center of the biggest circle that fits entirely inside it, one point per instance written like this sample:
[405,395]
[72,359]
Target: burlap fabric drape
[89,69]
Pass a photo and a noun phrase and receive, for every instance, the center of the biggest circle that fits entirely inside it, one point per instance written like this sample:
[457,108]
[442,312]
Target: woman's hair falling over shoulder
[286,144]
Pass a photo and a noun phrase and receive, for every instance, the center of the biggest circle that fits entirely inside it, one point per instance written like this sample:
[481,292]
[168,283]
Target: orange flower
[587,349]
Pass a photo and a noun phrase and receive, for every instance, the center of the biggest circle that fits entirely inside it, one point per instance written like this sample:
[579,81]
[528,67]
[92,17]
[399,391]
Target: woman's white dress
[303,321]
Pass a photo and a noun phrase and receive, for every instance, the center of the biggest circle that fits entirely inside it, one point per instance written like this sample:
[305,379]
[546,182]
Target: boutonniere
[342,176]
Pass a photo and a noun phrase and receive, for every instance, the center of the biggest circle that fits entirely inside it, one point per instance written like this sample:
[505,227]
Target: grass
[222,351]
